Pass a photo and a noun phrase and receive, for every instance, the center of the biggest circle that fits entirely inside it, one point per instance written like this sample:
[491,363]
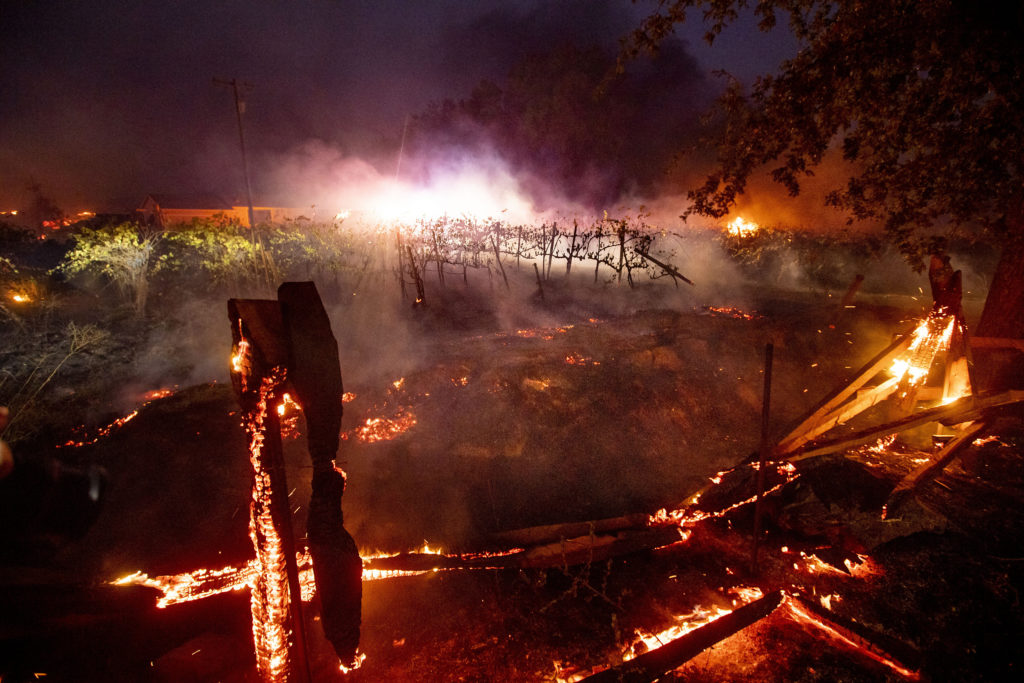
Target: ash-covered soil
[461,427]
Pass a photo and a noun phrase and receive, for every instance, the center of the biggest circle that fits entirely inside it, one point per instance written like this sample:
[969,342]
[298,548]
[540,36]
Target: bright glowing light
[478,192]
[738,227]
[352,666]
[239,358]
[930,337]
[376,429]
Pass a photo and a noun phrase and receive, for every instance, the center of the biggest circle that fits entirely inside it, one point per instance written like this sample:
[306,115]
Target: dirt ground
[577,414]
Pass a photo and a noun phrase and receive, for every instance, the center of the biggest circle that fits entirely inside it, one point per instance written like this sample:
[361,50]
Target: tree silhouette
[922,100]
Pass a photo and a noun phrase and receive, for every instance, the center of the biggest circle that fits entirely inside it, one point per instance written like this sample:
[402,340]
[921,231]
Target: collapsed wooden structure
[292,335]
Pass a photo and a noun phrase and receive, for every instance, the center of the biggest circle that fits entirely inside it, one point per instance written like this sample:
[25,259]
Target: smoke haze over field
[116,100]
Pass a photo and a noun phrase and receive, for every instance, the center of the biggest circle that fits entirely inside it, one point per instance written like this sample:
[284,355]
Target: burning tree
[921,101]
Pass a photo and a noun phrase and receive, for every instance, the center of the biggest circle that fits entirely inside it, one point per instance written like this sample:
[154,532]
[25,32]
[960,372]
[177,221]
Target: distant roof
[189,201]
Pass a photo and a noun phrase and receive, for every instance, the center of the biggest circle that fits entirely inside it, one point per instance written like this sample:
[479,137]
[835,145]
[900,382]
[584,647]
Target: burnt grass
[565,410]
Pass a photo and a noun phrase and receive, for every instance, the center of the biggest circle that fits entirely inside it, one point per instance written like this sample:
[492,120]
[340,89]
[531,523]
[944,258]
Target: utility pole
[239,108]
[401,149]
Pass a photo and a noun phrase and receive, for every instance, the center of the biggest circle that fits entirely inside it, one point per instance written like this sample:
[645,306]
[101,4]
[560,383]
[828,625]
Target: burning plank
[818,422]
[315,373]
[898,656]
[553,532]
[259,365]
[963,410]
[930,469]
[658,662]
[290,339]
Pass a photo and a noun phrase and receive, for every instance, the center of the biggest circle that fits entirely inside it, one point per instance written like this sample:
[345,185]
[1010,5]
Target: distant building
[168,210]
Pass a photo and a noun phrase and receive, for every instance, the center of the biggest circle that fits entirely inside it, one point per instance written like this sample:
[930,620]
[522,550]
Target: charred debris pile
[875,538]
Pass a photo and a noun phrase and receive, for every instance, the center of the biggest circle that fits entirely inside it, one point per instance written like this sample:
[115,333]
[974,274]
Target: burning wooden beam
[656,663]
[585,549]
[670,270]
[552,532]
[278,341]
[930,469]
[259,365]
[893,653]
[965,409]
[996,343]
[819,422]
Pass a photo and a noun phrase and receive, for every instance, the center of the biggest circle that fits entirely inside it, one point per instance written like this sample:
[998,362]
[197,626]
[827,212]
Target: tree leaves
[921,97]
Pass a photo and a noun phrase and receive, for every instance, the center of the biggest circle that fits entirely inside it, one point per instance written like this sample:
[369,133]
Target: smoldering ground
[505,409]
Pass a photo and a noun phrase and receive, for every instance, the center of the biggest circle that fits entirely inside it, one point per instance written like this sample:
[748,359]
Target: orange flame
[738,227]
[691,621]
[732,312]
[684,517]
[929,337]
[802,615]
[375,429]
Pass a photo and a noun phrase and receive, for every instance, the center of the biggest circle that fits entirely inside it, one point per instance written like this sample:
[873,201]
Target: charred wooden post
[437,257]
[670,270]
[946,285]
[497,259]
[540,284]
[259,365]
[519,245]
[851,292]
[290,340]
[622,249]
[572,247]
[315,375]
[656,663]
[930,469]
[551,252]
[417,279]
[401,262]
[896,654]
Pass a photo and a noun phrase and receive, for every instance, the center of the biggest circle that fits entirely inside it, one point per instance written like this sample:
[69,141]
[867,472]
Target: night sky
[104,102]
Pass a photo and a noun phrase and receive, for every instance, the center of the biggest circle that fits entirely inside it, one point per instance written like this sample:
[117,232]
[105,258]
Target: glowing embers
[196,585]
[271,600]
[685,623]
[691,514]
[360,658]
[733,312]
[579,359]
[545,333]
[371,573]
[880,447]
[862,567]
[103,432]
[288,414]
[240,359]
[739,227]
[375,429]
[821,618]
[986,440]
[176,589]
[158,394]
